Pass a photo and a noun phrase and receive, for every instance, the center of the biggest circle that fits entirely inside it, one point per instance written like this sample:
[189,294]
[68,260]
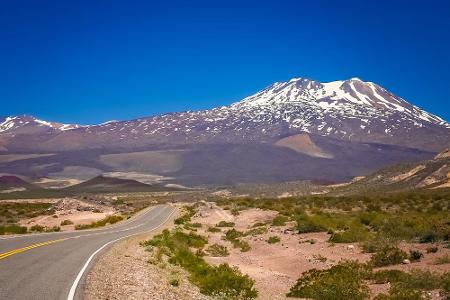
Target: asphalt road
[54,265]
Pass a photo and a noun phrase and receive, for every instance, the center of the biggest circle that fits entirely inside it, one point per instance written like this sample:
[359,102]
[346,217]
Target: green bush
[12,229]
[212,280]
[233,236]
[217,250]
[307,224]
[445,259]
[66,222]
[186,217]
[341,282]
[53,229]
[225,224]
[256,231]
[389,255]
[214,229]
[37,228]
[415,255]
[273,240]
[103,222]
[356,233]
[279,220]
[385,276]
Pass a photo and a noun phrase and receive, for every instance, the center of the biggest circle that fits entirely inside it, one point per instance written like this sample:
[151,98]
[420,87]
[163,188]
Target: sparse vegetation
[415,255]
[273,240]
[348,280]
[234,236]
[212,280]
[13,212]
[340,282]
[279,220]
[66,222]
[389,255]
[103,222]
[12,229]
[217,250]
[214,229]
[445,259]
[225,224]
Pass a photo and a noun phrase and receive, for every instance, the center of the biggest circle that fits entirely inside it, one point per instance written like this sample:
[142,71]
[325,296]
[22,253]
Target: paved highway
[54,265]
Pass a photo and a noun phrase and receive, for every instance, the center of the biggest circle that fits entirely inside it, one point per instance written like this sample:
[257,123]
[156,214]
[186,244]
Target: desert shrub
[103,222]
[233,236]
[214,229]
[389,255]
[256,231]
[432,249]
[225,224]
[53,229]
[445,259]
[273,240]
[217,250]
[174,282]
[353,234]
[243,245]
[400,292]
[415,255]
[66,222]
[307,224]
[375,243]
[37,228]
[385,276]
[12,229]
[186,217]
[279,220]
[340,282]
[422,280]
[212,280]
[445,285]
[258,224]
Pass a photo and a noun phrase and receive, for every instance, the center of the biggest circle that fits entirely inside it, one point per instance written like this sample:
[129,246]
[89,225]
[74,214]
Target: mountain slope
[350,110]
[14,183]
[433,173]
[298,129]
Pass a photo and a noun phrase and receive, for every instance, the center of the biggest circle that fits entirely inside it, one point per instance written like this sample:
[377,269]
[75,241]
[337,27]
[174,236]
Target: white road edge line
[74,287]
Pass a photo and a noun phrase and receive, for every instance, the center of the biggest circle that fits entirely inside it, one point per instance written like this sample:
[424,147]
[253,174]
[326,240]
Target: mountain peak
[25,123]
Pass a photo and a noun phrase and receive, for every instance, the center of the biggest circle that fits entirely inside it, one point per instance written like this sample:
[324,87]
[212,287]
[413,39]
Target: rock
[350,247]
[406,262]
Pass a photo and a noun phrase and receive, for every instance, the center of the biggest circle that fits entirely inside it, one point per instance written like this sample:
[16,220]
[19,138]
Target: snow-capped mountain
[349,110]
[28,124]
[293,130]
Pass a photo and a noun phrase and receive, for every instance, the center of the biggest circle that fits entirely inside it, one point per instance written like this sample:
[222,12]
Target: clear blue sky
[92,61]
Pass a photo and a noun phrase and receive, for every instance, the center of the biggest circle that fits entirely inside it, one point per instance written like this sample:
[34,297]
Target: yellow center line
[19,250]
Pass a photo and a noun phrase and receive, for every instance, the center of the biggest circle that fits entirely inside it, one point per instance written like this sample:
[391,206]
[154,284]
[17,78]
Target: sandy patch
[302,143]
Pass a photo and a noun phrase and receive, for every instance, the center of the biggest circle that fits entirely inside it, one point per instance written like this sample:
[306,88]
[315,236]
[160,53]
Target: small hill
[111,184]
[434,173]
[14,183]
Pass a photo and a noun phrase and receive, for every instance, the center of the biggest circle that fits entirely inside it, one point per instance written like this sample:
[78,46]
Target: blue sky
[91,61]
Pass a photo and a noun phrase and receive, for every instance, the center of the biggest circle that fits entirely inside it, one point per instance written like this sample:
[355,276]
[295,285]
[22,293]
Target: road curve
[54,265]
